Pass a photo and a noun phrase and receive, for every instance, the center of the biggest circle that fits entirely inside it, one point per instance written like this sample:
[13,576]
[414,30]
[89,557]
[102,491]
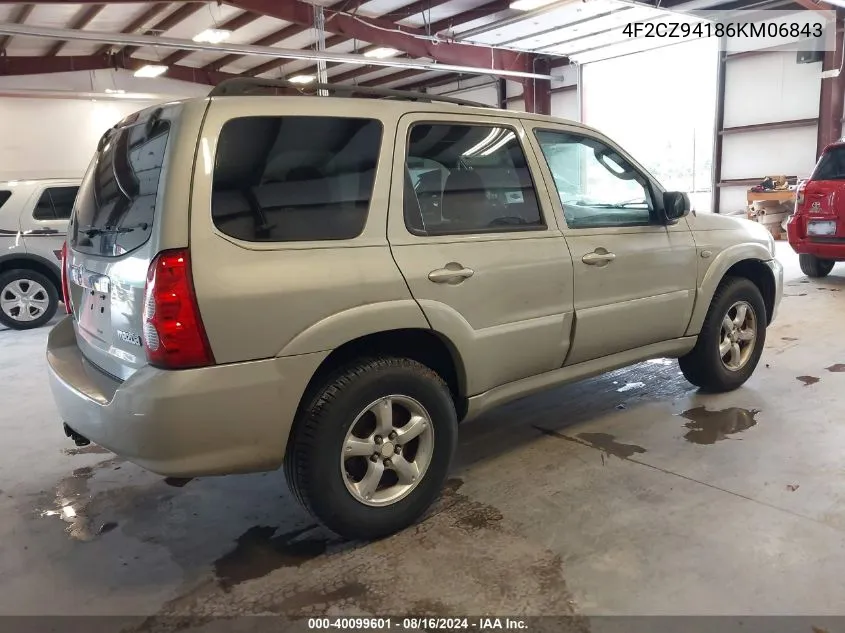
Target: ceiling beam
[268,40]
[21,65]
[136,24]
[184,11]
[19,18]
[410,40]
[402,74]
[232,24]
[82,20]
[334,40]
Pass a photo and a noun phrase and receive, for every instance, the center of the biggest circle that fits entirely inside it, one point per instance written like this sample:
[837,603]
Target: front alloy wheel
[739,335]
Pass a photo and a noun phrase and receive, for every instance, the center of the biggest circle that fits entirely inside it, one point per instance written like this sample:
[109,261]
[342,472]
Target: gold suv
[333,282]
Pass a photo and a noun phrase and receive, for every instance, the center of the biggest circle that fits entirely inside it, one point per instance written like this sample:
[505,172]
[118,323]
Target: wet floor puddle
[709,427]
[837,368]
[260,551]
[604,442]
[91,449]
[808,380]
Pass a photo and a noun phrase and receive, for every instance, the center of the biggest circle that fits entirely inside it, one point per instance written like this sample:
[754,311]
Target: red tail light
[65,286]
[174,336]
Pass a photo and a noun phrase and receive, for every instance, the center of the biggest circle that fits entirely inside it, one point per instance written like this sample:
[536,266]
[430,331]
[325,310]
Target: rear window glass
[831,165]
[4,195]
[288,179]
[55,203]
[115,207]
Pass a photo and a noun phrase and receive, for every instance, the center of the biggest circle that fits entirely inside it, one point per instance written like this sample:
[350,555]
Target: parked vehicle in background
[33,224]
[816,230]
[333,283]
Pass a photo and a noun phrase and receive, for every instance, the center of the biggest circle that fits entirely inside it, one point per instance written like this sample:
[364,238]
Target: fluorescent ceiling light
[213,36]
[381,52]
[529,5]
[151,70]
[302,79]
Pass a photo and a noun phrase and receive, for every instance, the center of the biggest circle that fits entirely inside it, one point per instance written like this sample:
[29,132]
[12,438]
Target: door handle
[599,257]
[452,273]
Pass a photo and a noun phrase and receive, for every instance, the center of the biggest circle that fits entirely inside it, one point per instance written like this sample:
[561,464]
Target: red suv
[817,228]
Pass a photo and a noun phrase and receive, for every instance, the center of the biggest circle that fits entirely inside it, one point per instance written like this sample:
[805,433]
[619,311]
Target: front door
[634,276]
[479,246]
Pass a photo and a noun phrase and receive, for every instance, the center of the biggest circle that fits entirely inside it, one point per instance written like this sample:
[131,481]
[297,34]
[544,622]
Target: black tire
[703,366]
[30,275]
[814,267]
[312,461]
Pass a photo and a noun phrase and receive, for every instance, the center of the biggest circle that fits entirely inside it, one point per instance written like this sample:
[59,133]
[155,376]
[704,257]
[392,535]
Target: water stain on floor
[177,482]
[808,380]
[837,368]
[788,338]
[91,449]
[605,442]
[709,427]
[260,551]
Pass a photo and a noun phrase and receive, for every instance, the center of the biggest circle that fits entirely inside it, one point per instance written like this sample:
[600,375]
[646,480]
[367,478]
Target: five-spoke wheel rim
[24,300]
[387,450]
[738,336]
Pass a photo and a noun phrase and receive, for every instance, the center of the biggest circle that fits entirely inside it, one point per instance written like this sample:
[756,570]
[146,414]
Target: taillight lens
[174,336]
[65,286]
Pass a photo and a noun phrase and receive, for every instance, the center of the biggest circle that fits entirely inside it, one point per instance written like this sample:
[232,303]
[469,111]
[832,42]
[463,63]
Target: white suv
[33,223]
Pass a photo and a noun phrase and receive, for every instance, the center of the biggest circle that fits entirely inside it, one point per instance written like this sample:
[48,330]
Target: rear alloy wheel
[815,267]
[27,299]
[371,452]
[731,339]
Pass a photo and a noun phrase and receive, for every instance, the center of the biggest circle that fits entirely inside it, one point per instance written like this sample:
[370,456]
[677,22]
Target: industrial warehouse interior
[434,315]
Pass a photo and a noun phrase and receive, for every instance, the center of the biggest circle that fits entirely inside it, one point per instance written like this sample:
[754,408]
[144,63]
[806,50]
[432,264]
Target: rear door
[479,246]
[44,221]
[115,215]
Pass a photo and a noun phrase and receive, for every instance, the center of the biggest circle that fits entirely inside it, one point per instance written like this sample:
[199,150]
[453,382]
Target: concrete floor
[625,494]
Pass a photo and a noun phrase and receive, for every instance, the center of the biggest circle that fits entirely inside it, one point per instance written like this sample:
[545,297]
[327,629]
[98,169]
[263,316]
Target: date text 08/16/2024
[682,30]
[419,623]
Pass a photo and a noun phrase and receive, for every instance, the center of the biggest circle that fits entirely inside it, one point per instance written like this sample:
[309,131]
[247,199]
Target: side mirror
[676,205]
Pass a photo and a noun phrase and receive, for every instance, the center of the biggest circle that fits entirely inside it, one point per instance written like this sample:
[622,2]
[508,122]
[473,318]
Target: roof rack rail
[237,86]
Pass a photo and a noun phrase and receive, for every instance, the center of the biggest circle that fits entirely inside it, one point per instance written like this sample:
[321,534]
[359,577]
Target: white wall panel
[517,106]
[732,199]
[770,88]
[44,138]
[789,152]
[565,105]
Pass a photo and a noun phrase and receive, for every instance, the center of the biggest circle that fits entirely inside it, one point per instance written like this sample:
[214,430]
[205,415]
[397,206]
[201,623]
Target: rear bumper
[824,248]
[208,421]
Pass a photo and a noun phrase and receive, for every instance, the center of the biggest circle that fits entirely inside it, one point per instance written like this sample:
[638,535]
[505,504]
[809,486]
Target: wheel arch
[742,260]
[28,261]
[425,346]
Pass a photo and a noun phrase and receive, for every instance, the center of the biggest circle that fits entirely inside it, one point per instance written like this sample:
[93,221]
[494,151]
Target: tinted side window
[468,179]
[4,195]
[596,185]
[63,198]
[296,178]
[44,207]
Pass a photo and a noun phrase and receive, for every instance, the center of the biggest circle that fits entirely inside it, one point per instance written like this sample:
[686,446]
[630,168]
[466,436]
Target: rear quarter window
[294,178]
[4,195]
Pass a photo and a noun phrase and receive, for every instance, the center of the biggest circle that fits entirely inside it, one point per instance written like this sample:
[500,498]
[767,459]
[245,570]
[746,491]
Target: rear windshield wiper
[93,231]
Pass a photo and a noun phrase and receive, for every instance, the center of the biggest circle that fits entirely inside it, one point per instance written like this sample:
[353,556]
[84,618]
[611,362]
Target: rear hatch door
[824,197]
[109,236]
